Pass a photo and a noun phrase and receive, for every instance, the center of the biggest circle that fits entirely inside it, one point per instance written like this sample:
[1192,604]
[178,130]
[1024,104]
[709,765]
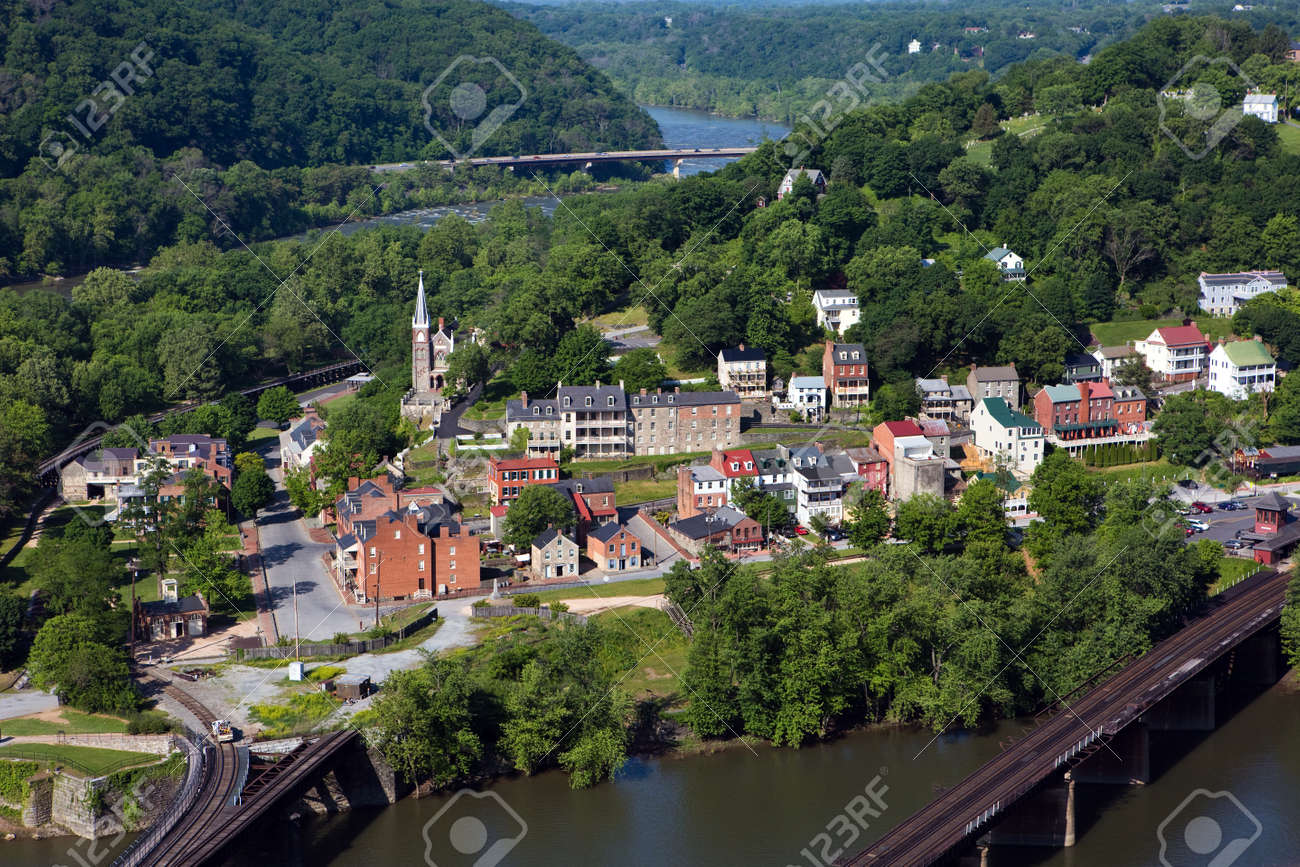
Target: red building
[1130,406]
[844,370]
[613,549]
[1272,519]
[884,434]
[1082,410]
[510,476]
[190,451]
[593,499]
[734,464]
[872,467]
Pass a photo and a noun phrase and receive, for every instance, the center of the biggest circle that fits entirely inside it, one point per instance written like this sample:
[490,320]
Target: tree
[1134,371]
[868,522]
[278,405]
[77,574]
[640,368]
[980,516]
[925,520]
[582,357]
[985,122]
[425,725]
[207,568]
[70,655]
[468,366]
[1291,622]
[536,508]
[1184,429]
[252,491]
[302,493]
[13,610]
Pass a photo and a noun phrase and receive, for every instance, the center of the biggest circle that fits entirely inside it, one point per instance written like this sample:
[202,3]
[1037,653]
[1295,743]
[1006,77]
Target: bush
[481,603]
[341,638]
[558,607]
[325,672]
[527,600]
[149,722]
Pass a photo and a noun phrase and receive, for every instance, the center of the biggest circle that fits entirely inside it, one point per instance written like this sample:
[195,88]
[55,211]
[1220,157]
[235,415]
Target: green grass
[1158,470]
[629,317]
[337,403]
[661,463]
[1289,136]
[626,493]
[844,438]
[75,723]
[302,713]
[980,153]
[635,587]
[88,760]
[491,404]
[655,675]
[1024,125]
[263,433]
[1117,333]
[1232,570]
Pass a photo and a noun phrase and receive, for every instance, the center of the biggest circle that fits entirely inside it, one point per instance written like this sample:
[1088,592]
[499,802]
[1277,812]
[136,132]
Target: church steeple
[421,318]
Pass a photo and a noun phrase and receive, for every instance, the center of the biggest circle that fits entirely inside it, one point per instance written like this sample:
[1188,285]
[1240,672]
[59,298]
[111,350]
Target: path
[29,701]
[449,422]
[456,631]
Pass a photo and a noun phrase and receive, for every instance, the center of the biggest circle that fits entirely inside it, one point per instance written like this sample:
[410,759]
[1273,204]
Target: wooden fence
[543,612]
[352,648]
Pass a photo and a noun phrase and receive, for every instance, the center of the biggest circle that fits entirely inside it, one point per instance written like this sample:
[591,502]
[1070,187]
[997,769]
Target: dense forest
[773,60]
[270,113]
[1113,218]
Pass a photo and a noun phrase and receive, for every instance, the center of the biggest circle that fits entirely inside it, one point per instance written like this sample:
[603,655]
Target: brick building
[700,489]
[508,477]
[613,548]
[726,529]
[844,370]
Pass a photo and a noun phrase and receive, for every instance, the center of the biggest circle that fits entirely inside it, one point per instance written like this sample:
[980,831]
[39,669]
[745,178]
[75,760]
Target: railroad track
[965,809]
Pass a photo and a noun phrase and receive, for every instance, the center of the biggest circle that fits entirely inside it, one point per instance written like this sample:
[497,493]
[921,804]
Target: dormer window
[567,400]
[670,398]
[855,356]
[611,400]
[843,355]
[548,410]
[537,410]
[654,399]
[588,401]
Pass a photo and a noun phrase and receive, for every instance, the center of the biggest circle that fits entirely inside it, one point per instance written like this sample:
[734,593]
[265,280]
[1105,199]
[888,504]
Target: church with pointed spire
[430,350]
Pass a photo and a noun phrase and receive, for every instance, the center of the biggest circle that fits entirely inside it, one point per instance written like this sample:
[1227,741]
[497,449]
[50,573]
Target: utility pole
[379,563]
[296,638]
[133,565]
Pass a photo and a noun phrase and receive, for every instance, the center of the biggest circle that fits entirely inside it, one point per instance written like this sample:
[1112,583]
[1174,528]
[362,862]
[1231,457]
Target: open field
[492,402]
[1116,333]
[1232,570]
[88,760]
[1289,136]
[636,587]
[655,674]
[65,720]
[630,317]
[626,493]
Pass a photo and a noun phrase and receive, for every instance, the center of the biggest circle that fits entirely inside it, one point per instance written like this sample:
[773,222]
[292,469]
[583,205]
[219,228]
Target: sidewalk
[251,556]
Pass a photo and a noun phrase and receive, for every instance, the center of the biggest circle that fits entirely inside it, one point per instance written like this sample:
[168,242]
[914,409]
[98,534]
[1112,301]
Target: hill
[290,83]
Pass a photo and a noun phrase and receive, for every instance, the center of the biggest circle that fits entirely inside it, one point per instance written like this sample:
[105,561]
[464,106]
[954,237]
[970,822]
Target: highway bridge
[588,158]
[1092,723]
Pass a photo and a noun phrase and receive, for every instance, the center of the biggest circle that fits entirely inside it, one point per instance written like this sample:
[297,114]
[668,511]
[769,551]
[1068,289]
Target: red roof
[498,511]
[1181,335]
[741,457]
[907,428]
[524,463]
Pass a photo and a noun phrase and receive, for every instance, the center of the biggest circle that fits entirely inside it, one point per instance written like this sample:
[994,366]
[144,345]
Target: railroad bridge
[1026,795]
[230,788]
[586,158]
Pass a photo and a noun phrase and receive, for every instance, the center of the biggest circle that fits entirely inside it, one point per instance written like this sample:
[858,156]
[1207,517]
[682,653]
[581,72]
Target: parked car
[801,530]
[1198,506]
[1197,525]
[1186,483]
[1234,544]
[1188,531]
[834,535]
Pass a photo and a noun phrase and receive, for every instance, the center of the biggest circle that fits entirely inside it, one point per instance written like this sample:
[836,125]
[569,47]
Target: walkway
[26,702]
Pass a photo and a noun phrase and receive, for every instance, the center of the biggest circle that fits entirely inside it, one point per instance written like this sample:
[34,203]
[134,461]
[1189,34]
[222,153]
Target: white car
[1197,524]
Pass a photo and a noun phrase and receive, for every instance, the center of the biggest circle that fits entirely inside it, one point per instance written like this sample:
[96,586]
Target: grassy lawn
[338,403]
[1117,333]
[262,433]
[1232,570]
[844,438]
[635,587]
[626,493]
[74,723]
[659,462]
[980,153]
[627,318]
[1289,136]
[492,402]
[88,760]
[1158,470]
[656,674]
[1024,125]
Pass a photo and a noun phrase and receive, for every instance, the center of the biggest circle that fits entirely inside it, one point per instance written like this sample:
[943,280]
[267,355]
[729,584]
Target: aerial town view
[649,432]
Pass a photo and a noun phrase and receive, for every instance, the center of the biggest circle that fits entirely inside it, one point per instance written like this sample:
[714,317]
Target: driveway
[28,701]
[449,423]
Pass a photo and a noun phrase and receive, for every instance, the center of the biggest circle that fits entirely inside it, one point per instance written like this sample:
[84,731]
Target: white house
[1011,265]
[787,182]
[1261,105]
[301,441]
[914,47]
[1001,431]
[1241,368]
[744,371]
[807,394]
[837,309]
[1177,354]
[1223,294]
[819,484]
[1111,357]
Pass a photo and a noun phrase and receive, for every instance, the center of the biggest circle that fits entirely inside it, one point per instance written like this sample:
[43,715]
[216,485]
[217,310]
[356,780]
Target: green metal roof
[1004,415]
[1246,353]
[1061,393]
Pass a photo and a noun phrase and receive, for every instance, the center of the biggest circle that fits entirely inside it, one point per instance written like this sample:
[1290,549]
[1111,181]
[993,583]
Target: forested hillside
[775,60]
[271,121]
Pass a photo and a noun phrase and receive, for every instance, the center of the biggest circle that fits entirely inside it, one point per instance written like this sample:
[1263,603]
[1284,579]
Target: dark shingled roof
[685,398]
[605,532]
[545,537]
[749,353]
[185,605]
[708,524]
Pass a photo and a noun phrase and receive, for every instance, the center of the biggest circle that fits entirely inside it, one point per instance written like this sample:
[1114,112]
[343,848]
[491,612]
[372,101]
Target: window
[420,568]
[372,550]
[537,410]
[451,564]
[588,400]
[548,410]
[611,564]
[397,534]
[421,551]
[611,400]
[451,551]
[695,410]
[567,400]
[611,547]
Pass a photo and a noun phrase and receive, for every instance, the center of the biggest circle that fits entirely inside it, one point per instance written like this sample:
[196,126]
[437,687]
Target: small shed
[353,686]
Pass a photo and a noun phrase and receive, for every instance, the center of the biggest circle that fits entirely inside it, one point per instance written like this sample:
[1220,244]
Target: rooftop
[809,382]
[1233,278]
[1004,415]
[1181,335]
[995,373]
[1245,353]
[743,353]
[708,524]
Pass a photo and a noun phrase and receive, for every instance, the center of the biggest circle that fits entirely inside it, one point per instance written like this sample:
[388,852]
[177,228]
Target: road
[449,423]
[29,701]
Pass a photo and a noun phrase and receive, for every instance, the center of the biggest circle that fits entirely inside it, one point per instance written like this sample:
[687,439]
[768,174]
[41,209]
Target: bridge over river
[1095,738]
[589,158]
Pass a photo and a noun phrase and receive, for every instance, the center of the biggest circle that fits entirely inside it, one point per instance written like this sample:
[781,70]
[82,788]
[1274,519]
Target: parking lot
[1223,526]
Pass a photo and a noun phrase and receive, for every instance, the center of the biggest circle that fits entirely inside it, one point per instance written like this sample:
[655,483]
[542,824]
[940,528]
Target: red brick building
[1130,406]
[614,549]
[593,500]
[872,467]
[884,434]
[508,477]
[844,370]
[391,552]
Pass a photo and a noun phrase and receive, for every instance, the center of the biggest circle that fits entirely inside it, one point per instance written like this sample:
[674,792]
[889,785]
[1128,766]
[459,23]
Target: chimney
[677,389]
[598,383]
[620,386]
[353,481]
[440,323]
[523,399]
[643,392]
[1258,339]
[944,378]
[1085,392]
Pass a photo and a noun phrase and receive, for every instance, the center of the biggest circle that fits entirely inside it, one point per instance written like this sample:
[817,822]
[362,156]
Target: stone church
[430,350]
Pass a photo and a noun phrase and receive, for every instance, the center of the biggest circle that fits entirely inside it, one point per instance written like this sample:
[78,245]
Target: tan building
[744,371]
[555,555]
[997,381]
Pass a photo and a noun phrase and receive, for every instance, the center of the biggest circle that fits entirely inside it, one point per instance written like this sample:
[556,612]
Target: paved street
[15,704]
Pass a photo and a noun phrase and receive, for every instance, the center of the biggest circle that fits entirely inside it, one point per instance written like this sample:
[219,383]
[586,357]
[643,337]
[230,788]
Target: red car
[801,531]
[1201,507]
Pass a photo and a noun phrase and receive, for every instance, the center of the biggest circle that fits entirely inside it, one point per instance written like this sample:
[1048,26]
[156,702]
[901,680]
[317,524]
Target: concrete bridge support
[1257,661]
[677,169]
[1128,759]
[1191,708]
[1043,818]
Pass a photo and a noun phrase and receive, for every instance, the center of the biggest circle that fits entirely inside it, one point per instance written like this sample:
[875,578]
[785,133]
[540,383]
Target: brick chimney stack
[523,399]
[440,323]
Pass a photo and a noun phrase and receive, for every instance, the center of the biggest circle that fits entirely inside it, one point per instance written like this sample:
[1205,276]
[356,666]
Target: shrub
[558,607]
[325,672]
[149,722]
[527,600]
[481,603]
[341,638]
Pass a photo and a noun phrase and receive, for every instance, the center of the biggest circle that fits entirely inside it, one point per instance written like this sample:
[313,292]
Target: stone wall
[158,744]
[73,803]
[40,800]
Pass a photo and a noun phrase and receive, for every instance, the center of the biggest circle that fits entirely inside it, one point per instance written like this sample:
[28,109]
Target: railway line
[965,809]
